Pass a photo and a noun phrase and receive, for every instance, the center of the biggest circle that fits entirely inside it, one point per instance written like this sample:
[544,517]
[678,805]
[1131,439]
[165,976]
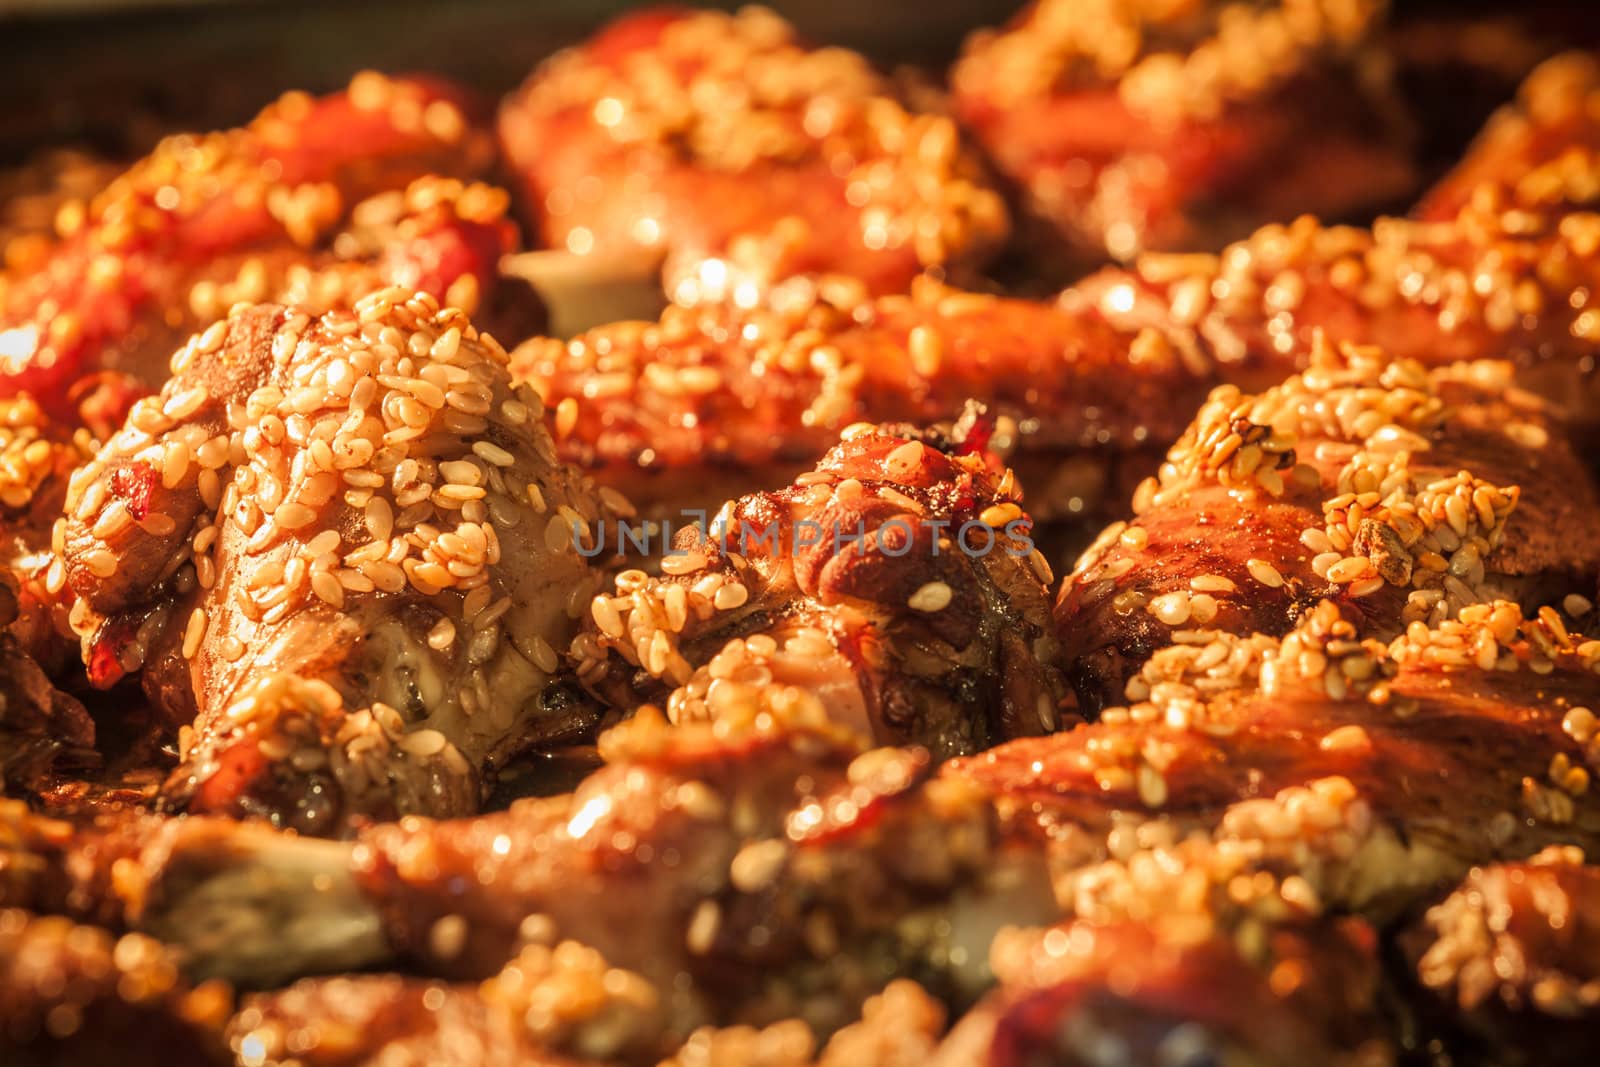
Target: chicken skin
[341,550]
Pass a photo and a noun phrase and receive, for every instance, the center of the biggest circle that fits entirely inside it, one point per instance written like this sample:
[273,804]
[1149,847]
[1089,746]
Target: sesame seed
[1265,573]
[931,597]
[1171,608]
[606,616]
[194,633]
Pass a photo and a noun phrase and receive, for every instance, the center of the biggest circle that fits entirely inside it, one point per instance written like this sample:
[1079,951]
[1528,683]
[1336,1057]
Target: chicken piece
[342,548]
[1319,771]
[1509,277]
[716,400]
[1403,494]
[115,291]
[37,457]
[720,400]
[397,1022]
[1557,110]
[693,133]
[1512,957]
[382,1021]
[1158,992]
[898,582]
[1264,784]
[40,726]
[1132,126]
[76,995]
[749,870]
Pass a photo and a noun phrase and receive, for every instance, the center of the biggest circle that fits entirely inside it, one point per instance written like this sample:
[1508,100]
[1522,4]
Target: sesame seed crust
[1508,273]
[690,132]
[770,604]
[284,184]
[740,396]
[280,537]
[1135,126]
[1505,950]
[1372,481]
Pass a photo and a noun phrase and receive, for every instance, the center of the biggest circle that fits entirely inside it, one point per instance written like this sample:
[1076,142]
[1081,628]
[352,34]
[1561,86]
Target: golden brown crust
[693,132]
[216,210]
[1134,126]
[345,545]
[1403,494]
[898,582]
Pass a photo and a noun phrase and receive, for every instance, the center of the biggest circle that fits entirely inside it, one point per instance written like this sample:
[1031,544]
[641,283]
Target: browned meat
[1513,955]
[37,457]
[39,725]
[694,133]
[715,400]
[898,582]
[1509,278]
[1263,785]
[719,400]
[1131,126]
[1358,776]
[518,1016]
[1161,993]
[75,996]
[1401,493]
[205,212]
[384,1021]
[1557,111]
[342,547]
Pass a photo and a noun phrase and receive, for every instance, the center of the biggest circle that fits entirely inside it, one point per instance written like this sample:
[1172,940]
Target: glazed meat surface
[1295,766]
[143,262]
[690,133]
[1403,494]
[1132,126]
[897,581]
[1510,955]
[717,400]
[342,548]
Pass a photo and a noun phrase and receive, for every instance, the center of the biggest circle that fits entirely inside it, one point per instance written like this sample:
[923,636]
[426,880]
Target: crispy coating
[1131,126]
[1402,494]
[718,400]
[897,581]
[343,547]
[693,133]
[115,291]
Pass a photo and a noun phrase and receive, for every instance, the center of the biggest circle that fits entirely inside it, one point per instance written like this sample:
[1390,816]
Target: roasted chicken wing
[342,552]
[1132,125]
[694,133]
[146,260]
[897,581]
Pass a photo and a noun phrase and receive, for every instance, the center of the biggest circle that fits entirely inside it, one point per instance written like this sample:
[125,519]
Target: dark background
[112,75]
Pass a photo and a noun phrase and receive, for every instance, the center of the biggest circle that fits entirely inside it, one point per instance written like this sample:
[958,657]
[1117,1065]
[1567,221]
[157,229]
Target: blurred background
[112,75]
